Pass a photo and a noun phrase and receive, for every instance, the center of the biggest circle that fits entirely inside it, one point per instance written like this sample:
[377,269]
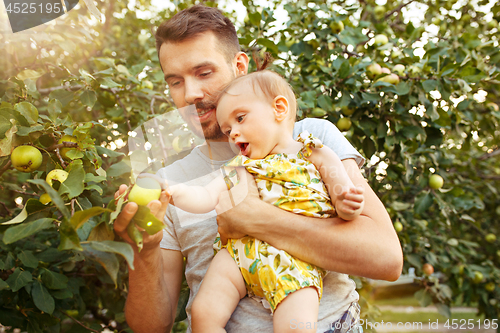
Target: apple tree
[417,95]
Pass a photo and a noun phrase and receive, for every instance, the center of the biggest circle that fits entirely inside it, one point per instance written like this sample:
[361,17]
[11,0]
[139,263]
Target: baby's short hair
[271,84]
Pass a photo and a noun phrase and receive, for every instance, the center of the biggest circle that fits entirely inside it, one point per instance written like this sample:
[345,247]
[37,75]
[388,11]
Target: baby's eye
[239,119]
[228,133]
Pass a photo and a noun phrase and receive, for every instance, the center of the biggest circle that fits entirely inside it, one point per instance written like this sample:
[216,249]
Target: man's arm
[154,284]
[366,246]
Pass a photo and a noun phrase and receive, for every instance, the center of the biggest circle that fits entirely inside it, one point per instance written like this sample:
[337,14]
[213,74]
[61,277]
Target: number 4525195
[462,324]
[34,8]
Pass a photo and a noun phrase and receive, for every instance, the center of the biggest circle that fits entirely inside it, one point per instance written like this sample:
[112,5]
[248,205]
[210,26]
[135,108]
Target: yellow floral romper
[291,182]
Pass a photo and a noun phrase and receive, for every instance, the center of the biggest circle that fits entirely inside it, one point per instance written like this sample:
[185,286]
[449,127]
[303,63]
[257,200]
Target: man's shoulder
[312,123]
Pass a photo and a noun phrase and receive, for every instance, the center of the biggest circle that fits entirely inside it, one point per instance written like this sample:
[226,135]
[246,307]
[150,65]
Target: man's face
[194,69]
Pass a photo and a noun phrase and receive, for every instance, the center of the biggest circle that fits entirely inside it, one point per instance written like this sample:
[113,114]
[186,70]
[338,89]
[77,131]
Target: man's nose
[193,91]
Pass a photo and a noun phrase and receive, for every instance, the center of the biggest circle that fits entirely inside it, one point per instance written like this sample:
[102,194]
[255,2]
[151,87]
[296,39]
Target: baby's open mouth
[243,147]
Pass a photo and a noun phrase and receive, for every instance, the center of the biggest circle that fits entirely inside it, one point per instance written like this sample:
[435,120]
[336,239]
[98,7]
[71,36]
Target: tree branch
[398,9]
[80,323]
[488,155]
[6,167]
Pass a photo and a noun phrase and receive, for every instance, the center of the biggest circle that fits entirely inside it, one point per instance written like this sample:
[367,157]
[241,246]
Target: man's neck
[217,150]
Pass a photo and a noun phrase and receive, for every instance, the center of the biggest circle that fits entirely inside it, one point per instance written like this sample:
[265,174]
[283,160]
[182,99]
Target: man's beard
[211,131]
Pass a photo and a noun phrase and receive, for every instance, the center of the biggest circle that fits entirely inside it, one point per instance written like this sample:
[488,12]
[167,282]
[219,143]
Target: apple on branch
[26,158]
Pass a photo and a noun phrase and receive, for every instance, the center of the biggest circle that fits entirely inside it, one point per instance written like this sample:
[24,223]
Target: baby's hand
[350,203]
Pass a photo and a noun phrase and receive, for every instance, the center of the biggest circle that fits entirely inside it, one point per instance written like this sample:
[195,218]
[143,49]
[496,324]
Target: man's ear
[240,63]
[281,108]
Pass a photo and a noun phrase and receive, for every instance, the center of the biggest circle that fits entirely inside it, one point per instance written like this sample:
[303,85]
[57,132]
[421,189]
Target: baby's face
[247,117]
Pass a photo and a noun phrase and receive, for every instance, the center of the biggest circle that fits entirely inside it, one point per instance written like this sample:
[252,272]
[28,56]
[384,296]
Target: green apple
[492,106]
[379,11]
[56,174]
[490,238]
[428,269]
[492,24]
[344,124]
[461,269]
[373,70]
[337,27]
[347,111]
[176,144]
[396,54]
[400,69]
[478,277]
[398,226]
[391,78]
[436,182]
[146,84]
[45,198]
[26,158]
[318,112]
[490,286]
[144,191]
[386,70]
[64,151]
[381,39]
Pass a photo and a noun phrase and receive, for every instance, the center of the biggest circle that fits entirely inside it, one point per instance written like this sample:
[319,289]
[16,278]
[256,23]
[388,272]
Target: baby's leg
[221,290]
[298,312]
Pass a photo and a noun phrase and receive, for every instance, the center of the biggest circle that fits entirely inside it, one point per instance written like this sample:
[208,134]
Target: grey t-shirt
[194,234]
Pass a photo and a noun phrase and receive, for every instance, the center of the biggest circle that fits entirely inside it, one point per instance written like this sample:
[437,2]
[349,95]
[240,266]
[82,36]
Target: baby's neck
[287,146]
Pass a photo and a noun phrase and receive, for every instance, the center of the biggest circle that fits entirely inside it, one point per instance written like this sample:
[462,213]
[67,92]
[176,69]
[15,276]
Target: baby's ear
[280,104]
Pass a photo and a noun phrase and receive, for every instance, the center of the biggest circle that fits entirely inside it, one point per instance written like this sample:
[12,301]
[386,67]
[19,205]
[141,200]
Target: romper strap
[309,142]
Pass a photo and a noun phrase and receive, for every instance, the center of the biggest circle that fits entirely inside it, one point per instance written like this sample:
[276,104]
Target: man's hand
[157,208]
[236,203]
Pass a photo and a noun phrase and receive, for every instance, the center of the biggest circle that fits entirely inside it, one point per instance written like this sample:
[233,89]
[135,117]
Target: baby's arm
[347,199]
[197,199]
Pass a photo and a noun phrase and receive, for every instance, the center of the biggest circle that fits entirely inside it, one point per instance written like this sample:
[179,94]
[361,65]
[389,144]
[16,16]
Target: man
[199,53]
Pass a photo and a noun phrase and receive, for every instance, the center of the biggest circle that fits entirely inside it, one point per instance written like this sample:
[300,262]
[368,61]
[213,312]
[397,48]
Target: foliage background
[60,268]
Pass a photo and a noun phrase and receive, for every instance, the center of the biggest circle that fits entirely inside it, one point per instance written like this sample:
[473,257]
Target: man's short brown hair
[195,20]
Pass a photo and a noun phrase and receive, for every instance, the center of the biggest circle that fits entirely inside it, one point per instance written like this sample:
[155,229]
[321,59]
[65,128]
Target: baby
[257,113]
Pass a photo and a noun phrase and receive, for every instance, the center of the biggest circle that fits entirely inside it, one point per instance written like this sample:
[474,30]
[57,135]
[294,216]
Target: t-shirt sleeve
[330,135]
[169,240]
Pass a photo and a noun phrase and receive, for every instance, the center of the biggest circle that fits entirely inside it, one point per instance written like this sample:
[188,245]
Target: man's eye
[205,73]
[175,83]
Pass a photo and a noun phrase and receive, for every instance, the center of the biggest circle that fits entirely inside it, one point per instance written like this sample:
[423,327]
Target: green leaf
[423,202]
[82,216]
[109,83]
[74,184]
[423,297]
[54,109]
[443,309]
[19,279]
[430,85]
[269,44]
[255,18]
[3,285]
[28,259]
[25,131]
[69,237]
[29,74]
[56,198]
[61,294]
[28,111]
[88,98]
[101,232]
[18,232]
[31,206]
[54,280]
[325,102]
[144,219]
[402,88]
[63,96]
[344,70]
[108,260]
[121,248]
[414,260]
[118,169]
[42,298]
